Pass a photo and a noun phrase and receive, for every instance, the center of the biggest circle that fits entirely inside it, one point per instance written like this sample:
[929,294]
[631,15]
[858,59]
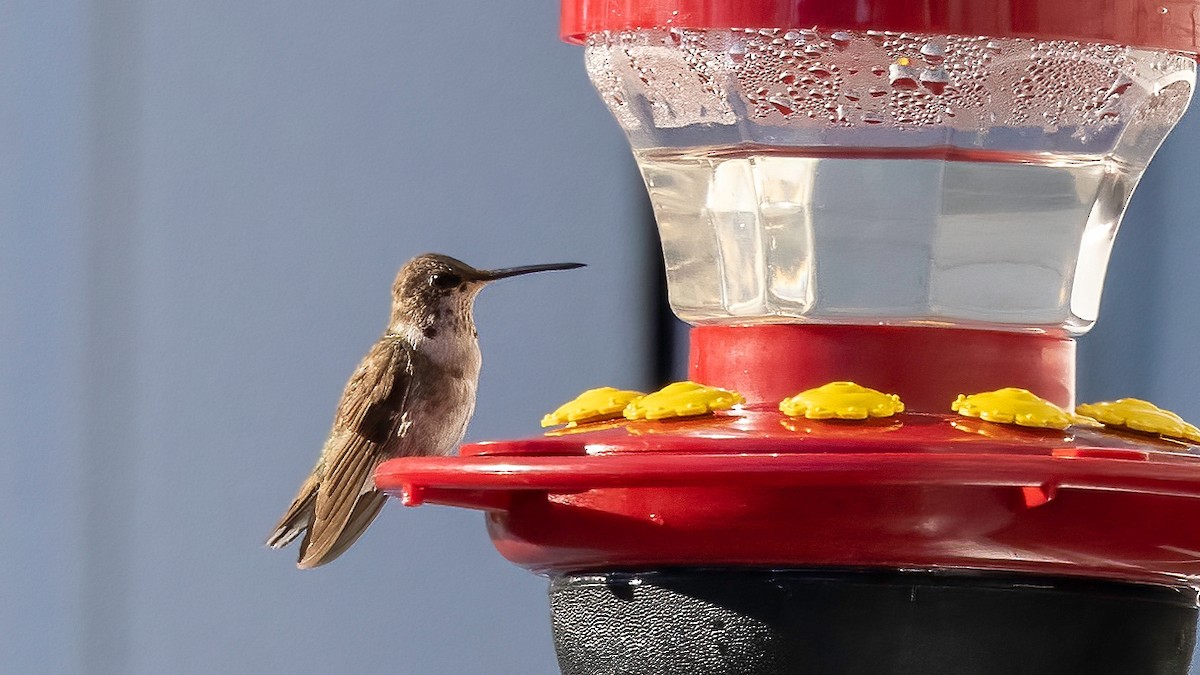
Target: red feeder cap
[1160,24]
[927,367]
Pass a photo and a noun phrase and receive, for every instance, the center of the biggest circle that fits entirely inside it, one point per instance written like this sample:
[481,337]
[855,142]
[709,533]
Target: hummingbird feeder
[886,221]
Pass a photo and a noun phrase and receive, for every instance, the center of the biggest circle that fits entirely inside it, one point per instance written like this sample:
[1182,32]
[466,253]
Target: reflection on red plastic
[1036,495]
[1163,24]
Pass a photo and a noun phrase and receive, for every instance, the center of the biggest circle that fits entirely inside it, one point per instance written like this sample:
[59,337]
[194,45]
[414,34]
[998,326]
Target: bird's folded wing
[348,480]
[368,418]
[374,399]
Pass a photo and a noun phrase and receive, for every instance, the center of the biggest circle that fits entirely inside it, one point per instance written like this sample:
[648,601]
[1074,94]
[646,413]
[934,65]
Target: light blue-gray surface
[201,209]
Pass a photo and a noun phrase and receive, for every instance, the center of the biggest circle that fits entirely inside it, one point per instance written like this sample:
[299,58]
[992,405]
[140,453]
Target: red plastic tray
[754,487]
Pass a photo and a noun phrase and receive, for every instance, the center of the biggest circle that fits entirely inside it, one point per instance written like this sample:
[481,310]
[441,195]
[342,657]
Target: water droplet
[787,78]
[1123,83]
[851,95]
[877,92]
[840,39]
[902,76]
[784,106]
[933,53]
[935,79]
[792,35]
[819,71]
[872,118]
[812,50]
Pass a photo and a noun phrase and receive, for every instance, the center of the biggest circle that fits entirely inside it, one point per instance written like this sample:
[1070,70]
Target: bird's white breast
[443,398]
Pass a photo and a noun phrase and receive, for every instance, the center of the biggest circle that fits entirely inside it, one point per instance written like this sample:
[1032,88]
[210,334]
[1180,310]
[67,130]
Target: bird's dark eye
[445,280]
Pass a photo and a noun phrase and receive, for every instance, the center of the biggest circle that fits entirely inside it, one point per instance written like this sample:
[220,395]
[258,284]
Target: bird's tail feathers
[365,509]
[298,516]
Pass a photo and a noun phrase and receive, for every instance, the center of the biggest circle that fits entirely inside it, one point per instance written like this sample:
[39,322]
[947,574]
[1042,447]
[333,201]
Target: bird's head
[434,291]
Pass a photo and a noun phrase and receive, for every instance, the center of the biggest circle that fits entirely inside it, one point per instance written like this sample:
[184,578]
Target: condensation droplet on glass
[902,76]
[935,79]
[784,106]
[933,53]
[737,52]
[812,50]
[872,118]
[851,95]
[820,71]
[1119,87]
[840,39]
[792,36]
[876,92]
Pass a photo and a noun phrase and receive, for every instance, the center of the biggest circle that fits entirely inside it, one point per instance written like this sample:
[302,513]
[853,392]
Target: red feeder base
[718,545]
[757,488]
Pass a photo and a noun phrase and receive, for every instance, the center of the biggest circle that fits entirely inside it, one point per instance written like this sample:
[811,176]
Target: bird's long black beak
[492,275]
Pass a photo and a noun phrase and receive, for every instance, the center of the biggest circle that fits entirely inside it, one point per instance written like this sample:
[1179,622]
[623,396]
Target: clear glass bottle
[803,175]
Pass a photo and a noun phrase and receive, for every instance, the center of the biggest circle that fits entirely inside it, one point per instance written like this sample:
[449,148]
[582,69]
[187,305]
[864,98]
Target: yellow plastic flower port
[593,405]
[682,399]
[1016,406]
[1138,415]
[843,401]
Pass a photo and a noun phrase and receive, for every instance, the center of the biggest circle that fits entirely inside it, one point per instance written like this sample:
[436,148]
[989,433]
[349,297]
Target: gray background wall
[201,209]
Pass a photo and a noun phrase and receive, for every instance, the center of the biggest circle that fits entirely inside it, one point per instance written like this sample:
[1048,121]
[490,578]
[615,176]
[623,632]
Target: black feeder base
[776,622]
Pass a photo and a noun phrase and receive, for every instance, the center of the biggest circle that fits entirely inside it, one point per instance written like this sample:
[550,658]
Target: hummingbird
[413,394]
